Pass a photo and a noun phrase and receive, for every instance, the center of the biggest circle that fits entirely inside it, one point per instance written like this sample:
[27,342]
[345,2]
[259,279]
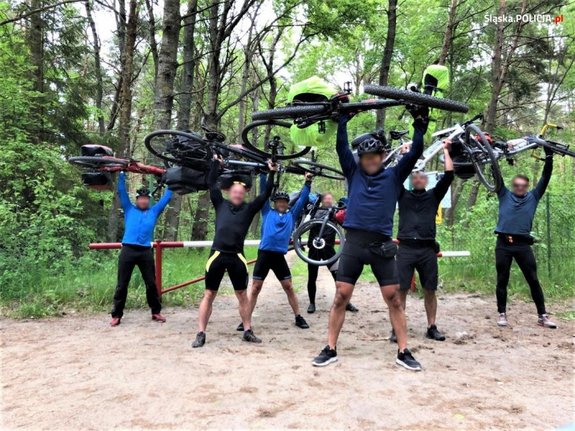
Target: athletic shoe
[351,308]
[240,327]
[502,320]
[200,340]
[392,337]
[116,321]
[311,308]
[546,322]
[250,337]
[434,334]
[406,360]
[158,318]
[325,357]
[300,322]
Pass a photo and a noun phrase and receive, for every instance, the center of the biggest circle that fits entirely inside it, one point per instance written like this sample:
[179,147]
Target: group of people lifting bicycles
[375,174]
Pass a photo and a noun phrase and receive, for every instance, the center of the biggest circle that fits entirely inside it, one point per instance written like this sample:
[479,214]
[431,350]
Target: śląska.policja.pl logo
[526,18]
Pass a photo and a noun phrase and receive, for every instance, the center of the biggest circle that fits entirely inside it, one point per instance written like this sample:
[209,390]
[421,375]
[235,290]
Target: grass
[88,286]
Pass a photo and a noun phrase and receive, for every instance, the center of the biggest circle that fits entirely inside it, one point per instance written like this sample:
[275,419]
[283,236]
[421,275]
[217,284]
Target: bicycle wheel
[182,148]
[483,158]
[317,169]
[98,162]
[270,151]
[416,98]
[321,253]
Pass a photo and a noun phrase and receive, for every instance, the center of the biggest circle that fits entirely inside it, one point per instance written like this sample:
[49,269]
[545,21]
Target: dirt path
[77,373]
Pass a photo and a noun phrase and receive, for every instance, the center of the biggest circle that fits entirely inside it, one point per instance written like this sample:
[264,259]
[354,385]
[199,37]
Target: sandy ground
[77,373]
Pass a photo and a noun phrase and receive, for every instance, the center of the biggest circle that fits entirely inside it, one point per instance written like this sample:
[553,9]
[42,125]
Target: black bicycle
[319,240]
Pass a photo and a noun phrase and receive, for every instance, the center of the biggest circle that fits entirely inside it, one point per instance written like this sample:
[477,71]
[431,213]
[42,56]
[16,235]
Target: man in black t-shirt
[417,246]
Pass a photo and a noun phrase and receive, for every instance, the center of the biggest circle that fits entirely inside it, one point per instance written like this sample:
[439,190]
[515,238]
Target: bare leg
[343,293]
[403,295]
[292,298]
[252,299]
[430,306]
[244,307]
[392,298]
[206,309]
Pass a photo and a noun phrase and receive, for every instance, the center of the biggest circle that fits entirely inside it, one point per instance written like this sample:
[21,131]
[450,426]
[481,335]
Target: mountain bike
[305,114]
[319,241]
[471,150]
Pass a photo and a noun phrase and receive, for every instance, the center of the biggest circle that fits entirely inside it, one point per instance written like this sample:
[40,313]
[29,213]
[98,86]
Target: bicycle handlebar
[473,119]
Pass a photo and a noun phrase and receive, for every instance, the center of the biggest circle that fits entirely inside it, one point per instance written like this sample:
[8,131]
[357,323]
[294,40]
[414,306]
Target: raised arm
[258,203]
[263,185]
[122,192]
[163,202]
[215,193]
[303,198]
[443,184]
[346,159]
[408,161]
[545,175]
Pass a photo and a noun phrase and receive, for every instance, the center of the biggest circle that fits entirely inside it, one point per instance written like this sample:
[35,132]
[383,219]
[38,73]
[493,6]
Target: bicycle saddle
[397,134]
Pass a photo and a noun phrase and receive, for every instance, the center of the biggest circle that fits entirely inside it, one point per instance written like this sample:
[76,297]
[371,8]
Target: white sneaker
[502,320]
[546,322]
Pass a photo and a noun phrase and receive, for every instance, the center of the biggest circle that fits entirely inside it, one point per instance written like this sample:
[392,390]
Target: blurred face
[371,163]
[237,194]
[419,181]
[281,205]
[327,200]
[520,186]
[143,202]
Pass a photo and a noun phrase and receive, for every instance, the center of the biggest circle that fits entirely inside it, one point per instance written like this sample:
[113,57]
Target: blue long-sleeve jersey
[139,224]
[516,213]
[277,227]
[372,198]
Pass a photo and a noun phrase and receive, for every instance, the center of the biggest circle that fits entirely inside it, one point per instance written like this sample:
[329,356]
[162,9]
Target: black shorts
[271,260]
[420,258]
[361,249]
[234,263]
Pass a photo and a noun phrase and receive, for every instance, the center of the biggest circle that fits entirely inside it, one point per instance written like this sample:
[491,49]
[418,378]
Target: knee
[257,286]
[429,294]
[341,298]
[287,286]
[210,295]
[393,300]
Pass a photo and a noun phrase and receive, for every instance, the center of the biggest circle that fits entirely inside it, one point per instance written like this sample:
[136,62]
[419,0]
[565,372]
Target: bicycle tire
[299,244]
[268,154]
[488,158]
[317,169]
[98,162]
[292,112]
[197,154]
[415,98]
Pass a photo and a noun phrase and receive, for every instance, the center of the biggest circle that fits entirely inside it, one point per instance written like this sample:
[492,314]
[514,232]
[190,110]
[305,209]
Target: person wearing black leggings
[516,212]
[327,252]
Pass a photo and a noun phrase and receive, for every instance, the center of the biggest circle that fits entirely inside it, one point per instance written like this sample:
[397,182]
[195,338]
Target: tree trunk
[456,190]
[387,55]
[36,45]
[449,31]
[125,104]
[97,69]
[152,38]
[172,218]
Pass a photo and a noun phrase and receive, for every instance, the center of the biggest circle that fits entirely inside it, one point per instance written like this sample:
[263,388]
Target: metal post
[159,267]
[548,216]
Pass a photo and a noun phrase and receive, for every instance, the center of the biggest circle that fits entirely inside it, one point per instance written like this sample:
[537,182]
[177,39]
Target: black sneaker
[311,308]
[351,308]
[300,322]
[434,334]
[406,360]
[250,337]
[392,337]
[325,357]
[200,340]
[240,327]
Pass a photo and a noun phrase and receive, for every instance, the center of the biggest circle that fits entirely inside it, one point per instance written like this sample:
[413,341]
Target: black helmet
[373,142]
[143,192]
[280,196]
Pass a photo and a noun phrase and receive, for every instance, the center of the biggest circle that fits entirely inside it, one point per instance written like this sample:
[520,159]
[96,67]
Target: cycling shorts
[234,263]
[271,260]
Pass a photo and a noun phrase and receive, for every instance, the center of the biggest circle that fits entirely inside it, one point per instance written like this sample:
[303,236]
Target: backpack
[313,89]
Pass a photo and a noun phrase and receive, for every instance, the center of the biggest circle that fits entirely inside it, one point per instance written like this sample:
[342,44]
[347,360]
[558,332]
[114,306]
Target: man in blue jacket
[516,212]
[277,226]
[373,194]
[139,223]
